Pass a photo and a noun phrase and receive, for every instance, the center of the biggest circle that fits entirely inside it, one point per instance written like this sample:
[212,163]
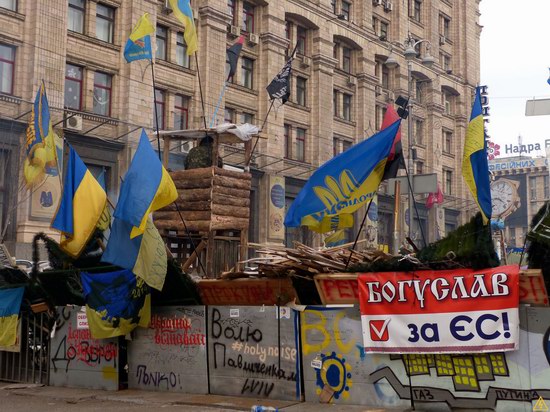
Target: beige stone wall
[44,46]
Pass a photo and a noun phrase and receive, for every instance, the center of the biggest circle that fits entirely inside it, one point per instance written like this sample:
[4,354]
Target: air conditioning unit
[166,8]
[378,2]
[253,38]
[352,81]
[73,122]
[388,6]
[306,61]
[442,39]
[235,30]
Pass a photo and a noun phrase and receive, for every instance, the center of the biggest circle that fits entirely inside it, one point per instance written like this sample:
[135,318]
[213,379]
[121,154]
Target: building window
[546,188]
[533,187]
[288,141]
[445,61]
[288,29]
[247,73]
[346,112]
[181,51]
[73,87]
[76,16]
[102,93]
[301,91]
[447,141]
[105,23]
[384,30]
[231,10]
[447,102]
[7,66]
[300,149]
[418,131]
[301,35]
[9,4]
[335,146]
[158,114]
[346,144]
[448,182]
[4,186]
[333,6]
[335,105]
[419,167]
[247,118]
[385,78]
[346,59]
[416,11]
[248,17]
[445,26]
[419,89]
[379,116]
[162,37]
[229,115]
[181,112]
[346,10]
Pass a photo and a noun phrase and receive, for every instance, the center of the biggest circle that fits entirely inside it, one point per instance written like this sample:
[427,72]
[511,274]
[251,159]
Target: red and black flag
[279,88]
[233,56]
[395,158]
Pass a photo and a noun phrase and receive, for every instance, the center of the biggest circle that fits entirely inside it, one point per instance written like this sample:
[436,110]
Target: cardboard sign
[337,288]
[446,311]
[245,292]
[531,288]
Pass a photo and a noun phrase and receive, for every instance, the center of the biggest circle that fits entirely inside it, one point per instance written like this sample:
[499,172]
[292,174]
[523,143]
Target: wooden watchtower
[207,227]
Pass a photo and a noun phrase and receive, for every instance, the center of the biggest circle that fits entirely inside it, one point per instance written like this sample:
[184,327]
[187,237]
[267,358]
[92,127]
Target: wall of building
[43,47]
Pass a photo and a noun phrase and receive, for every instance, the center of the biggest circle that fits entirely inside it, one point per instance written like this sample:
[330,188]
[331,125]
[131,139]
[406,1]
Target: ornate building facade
[340,87]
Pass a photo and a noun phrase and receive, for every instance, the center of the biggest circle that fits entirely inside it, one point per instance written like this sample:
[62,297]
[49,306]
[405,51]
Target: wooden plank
[247,292]
[193,256]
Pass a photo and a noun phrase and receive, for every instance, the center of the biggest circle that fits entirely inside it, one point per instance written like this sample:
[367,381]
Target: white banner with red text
[440,311]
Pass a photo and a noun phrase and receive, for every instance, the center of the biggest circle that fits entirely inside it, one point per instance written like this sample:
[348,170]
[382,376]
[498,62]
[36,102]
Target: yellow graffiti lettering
[310,328]
[344,347]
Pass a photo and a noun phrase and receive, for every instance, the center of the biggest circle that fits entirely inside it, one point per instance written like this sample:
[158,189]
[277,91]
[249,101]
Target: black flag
[279,88]
[233,55]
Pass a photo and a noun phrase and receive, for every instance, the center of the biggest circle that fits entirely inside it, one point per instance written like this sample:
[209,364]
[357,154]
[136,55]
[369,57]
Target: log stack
[210,199]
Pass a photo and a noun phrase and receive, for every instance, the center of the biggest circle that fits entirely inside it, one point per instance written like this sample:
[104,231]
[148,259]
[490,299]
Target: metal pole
[410,165]
[396,217]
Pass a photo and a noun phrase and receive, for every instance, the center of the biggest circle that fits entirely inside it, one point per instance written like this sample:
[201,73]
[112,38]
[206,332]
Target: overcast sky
[515,57]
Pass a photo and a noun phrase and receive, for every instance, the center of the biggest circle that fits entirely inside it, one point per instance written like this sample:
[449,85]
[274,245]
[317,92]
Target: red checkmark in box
[379,330]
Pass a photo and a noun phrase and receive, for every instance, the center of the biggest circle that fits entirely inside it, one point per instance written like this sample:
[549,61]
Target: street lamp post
[391,62]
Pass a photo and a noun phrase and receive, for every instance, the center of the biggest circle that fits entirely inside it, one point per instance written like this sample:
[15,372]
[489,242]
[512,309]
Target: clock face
[502,197]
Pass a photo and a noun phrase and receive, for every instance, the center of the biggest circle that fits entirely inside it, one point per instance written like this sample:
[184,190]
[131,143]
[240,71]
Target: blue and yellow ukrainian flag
[40,143]
[10,304]
[138,45]
[147,187]
[144,255]
[337,238]
[475,167]
[184,13]
[343,184]
[82,203]
[116,303]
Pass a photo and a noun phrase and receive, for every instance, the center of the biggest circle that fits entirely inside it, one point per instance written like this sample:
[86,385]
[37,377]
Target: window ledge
[449,154]
[10,98]
[420,145]
[342,120]
[174,66]
[93,40]
[11,13]
[298,106]
[93,117]
[243,88]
